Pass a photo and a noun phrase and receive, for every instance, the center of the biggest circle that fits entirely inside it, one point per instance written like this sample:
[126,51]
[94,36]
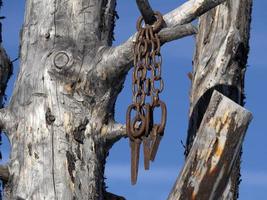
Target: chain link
[146,82]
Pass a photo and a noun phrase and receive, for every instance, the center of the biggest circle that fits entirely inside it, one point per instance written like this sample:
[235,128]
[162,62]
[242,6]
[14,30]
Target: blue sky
[156,183]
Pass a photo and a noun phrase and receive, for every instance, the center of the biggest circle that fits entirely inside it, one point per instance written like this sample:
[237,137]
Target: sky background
[177,57]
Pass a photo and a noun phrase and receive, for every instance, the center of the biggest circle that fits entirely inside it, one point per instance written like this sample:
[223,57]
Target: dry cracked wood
[222,46]
[214,151]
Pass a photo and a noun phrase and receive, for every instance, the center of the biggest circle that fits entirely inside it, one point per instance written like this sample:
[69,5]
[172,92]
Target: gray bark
[60,120]
[214,151]
[61,102]
[222,47]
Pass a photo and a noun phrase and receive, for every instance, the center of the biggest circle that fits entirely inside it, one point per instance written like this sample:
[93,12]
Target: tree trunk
[60,120]
[222,47]
[60,103]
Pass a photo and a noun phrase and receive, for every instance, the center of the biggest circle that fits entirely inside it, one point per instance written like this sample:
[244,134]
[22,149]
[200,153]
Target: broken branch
[214,151]
[113,132]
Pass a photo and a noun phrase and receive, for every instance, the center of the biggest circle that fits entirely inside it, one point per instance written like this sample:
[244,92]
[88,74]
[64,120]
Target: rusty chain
[147,84]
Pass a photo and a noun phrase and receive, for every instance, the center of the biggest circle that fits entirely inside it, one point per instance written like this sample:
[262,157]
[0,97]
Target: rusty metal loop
[160,104]
[156,73]
[139,97]
[140,71]
[128,119]
[140,34]
[160,88]
[156,26]
[135,132]
[138,126]
[156,58]
[148,61]
[142,47]
[148,86]
[149,118]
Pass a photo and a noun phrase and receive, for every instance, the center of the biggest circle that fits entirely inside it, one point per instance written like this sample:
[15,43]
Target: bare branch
[189,11]
[4,173]
[117,60]
[113,132]
[146,11]
[214,151]
[176,32]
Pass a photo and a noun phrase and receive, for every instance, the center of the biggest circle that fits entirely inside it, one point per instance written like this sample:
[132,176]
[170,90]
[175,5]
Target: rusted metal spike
[146,145]
[135,150]
[156,138]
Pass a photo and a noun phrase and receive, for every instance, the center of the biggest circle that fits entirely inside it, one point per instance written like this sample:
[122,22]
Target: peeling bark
[222,47]
[214,151]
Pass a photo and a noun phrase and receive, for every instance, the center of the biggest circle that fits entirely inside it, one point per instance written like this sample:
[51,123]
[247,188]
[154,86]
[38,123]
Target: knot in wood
[62,60]
[47,35]
[49,117]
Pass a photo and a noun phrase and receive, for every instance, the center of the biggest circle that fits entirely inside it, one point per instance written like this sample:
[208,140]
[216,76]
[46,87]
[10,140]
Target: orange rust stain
[217,155]
[222,122]
[213,171]
[194,196]
[218,151]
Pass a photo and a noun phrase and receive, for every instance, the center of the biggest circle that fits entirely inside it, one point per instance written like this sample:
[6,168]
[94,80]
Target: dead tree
[222,47]
[60,120]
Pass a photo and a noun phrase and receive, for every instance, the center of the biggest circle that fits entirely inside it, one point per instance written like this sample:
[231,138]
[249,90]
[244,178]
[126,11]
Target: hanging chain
[147,84]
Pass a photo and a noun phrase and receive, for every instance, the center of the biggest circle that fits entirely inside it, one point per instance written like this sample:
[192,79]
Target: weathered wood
[222,46]
[7,120]
[215,149]
[60,101]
